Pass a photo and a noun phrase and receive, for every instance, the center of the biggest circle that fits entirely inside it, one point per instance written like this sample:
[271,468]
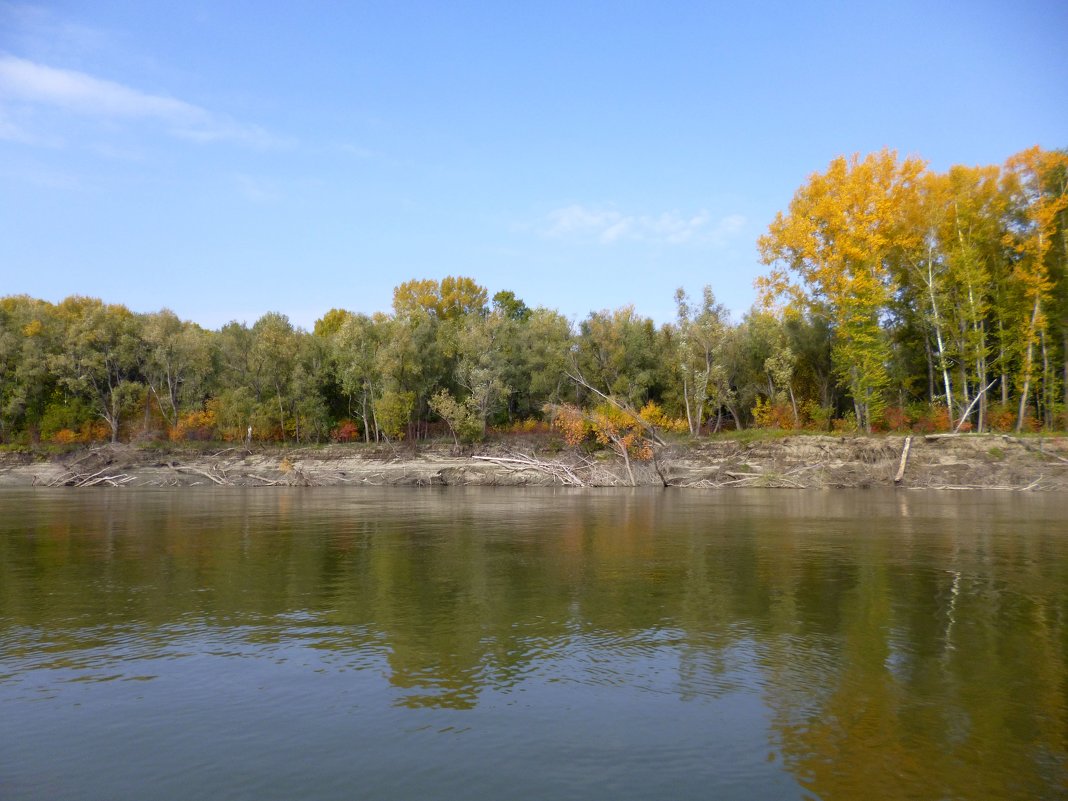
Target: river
[340,643]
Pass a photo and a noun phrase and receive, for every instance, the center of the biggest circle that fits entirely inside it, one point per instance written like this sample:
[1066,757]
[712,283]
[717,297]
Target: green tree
[355,348]
[178,363]
[273,357]
[619,354]
[102,357]
[702,338]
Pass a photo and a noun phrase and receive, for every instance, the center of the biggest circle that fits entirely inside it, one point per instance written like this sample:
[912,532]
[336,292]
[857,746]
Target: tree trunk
[1002,364]
[930,368]
[686,403]
[734,415]
[1047,385]
[1028,366]
[626,460]
[366,421]
[281,414]
[941,346]
[1064,379]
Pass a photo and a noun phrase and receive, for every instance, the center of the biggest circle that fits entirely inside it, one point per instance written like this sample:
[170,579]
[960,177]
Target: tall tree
[273,356]
[102,357]
[842,230]
[178,362]
[1032,234]
[701,339]
[618,353]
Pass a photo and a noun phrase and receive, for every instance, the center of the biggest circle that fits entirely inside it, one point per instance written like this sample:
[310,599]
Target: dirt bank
[964,462]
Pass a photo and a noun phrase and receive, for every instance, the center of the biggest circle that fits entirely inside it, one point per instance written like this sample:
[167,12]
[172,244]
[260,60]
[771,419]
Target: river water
[532,644]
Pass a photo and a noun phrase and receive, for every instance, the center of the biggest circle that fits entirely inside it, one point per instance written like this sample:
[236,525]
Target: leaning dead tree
[647,428]
[614,424]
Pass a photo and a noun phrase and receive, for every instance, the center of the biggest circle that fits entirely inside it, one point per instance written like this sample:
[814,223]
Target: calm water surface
[532,644]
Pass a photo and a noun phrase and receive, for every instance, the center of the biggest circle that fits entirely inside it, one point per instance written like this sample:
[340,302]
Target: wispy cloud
[608,226]
[27,82]
[257,190]
[45,35]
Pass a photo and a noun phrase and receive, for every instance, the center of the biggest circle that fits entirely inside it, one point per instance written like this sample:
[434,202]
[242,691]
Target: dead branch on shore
[904,460]
[647,428]
[518,462]
[227,450]
[1028,447]
[73,478]
[1000,488]
[267,482]
[78,480]
[222,481]
[112,481]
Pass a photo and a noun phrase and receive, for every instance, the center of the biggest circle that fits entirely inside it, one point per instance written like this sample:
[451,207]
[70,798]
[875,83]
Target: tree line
[897,298]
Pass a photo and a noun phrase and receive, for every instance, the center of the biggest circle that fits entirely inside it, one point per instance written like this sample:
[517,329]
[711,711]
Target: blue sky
[228,159]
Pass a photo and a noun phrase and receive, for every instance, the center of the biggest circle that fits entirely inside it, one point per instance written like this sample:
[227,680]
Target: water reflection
[909,642]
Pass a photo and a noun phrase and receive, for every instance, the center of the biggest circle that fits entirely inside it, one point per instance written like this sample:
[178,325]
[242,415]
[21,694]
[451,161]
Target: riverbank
[966,462]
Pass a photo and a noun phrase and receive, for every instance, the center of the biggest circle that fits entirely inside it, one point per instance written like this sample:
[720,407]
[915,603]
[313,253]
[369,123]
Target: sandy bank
[964,462]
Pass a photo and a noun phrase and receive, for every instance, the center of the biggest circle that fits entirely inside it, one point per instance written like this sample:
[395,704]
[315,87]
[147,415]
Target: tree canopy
[896,297]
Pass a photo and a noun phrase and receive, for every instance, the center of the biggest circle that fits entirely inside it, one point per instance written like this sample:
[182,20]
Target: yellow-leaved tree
[832,254]
[1034,180]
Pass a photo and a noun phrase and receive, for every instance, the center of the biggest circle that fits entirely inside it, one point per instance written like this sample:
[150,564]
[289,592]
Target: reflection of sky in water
[659,661]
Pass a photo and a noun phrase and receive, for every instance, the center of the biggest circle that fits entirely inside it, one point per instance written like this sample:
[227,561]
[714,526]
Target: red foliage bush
[346,431]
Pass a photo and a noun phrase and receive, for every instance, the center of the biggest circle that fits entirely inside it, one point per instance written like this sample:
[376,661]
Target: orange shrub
[198,425]
[773,415]
[1001,417]
[896,418]
[65,437]
[346,431]
[932,419]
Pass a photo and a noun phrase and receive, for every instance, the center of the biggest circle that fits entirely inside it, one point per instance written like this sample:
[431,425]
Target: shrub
[197,425]
[929,418]
[773,415]
[655,416]
[846,424]
[529,426]
[816,417]
[896,418]
[346,431]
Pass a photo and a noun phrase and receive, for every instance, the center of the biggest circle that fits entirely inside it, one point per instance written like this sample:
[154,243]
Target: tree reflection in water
[908,642]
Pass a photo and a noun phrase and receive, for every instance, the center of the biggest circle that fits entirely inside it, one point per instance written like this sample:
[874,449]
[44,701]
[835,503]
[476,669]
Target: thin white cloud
[11,130]
[45,35]
[34,84]
[257,190]
[357,151]
[609,226]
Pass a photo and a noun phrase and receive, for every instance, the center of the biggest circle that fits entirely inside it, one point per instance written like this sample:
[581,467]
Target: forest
[896,298]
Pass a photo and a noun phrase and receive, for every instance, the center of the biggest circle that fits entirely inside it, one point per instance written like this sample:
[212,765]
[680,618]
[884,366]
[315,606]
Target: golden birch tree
[831,253]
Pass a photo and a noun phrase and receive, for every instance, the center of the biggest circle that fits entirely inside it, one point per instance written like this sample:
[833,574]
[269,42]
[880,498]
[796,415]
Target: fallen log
[904,460]
[222,482]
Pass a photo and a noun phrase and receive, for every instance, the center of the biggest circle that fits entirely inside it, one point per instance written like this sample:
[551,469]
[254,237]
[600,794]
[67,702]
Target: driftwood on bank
[958,462]
[72,478]
[904,460]
[1039,450]
[559,471]
[221,480]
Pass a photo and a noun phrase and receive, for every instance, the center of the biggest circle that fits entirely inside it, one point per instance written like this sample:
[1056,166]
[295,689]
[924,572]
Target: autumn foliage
[897,298]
